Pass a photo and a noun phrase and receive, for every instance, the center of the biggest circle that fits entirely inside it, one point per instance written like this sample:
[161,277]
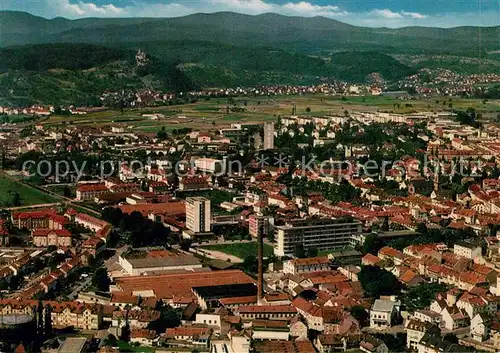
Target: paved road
[220,242]
[229,242]
[392,330]
[32,206]
[79,288]
[65,200]
[218,255]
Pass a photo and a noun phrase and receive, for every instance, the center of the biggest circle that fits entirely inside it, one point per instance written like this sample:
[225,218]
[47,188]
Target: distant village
[426,83]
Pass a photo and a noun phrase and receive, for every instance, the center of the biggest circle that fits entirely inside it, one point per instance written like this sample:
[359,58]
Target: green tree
[450,337]
[359,313]
[16,199]
[48,321]
[250,264]
[66,191]
[169,318]
[312,251]
[101,280]
[372,244]
[125,334]
[162,134]
[299,251]
[421,296]
[376,282]
[110,340]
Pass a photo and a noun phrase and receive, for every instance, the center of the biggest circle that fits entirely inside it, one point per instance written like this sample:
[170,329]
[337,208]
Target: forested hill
[65,73]
[184,65]
[60,56]
[273,30]
[71,61]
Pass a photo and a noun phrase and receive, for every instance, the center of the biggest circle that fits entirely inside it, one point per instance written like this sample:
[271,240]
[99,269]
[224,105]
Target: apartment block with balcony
[320,233]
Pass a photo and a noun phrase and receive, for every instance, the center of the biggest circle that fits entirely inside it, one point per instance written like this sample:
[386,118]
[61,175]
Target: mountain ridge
[237,14]
[294,33]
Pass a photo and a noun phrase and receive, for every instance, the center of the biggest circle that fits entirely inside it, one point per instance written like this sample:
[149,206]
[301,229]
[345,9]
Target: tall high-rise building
[198,214]
[260,225]
[268,136]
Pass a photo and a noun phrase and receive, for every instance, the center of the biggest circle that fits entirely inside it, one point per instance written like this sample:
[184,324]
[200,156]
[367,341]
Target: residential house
[330,343]
[453,318]
[370,344]
[298,329]
[90,191]
[432,343]
[427,316]
[392,254]
[472,304]
[415,330]
[384,313]
[144,337]
[48,237]
[137,319]
[479,327]
[93,246]
[467,249]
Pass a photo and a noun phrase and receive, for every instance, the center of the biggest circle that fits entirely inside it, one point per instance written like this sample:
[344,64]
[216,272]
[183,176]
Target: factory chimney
[260,264]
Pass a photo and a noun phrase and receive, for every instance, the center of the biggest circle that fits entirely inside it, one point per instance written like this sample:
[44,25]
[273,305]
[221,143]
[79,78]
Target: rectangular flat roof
[227,290]
[73,345]
[180,285]
[398,233]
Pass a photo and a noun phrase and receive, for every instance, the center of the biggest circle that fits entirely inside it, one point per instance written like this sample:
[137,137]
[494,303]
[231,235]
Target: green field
[211,114]
[28,196]
[240,250]
[127,347]
[216,197]
[59,189]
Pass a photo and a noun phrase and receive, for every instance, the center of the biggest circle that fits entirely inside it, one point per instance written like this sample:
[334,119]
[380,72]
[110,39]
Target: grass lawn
[157,128]
[29,196]
[215,196]
[127,347]
[338,249]
[59,189]
[240,250]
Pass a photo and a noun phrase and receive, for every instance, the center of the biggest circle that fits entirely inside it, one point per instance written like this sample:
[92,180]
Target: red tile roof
[239,300]
[187,331]
[311,261]
[162,208]
[270,309]
[92,187]
[34,214]
[370,259]
[45,232]
[284,347]
[180,285]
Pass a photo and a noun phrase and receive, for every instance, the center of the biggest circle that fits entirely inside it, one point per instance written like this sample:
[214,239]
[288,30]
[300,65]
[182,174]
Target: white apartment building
[311,264]
[466,249]
[209,165]
[320,233]
[268,136]
[259,225]
[416,330]
[198,214]
[383,313]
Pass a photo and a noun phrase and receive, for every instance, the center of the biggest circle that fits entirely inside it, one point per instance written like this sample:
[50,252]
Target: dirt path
[218,255]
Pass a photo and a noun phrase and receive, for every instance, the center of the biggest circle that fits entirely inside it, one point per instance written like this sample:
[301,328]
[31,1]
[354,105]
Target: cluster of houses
[445,82]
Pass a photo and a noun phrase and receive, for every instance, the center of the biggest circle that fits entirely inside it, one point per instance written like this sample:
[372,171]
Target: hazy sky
[376,13]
